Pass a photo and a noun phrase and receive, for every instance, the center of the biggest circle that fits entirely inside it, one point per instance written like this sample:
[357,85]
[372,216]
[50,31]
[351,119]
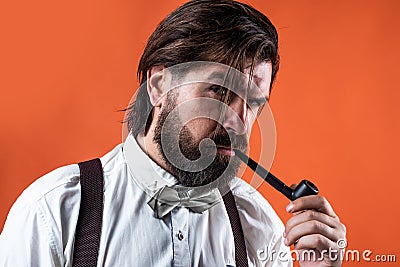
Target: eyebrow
[218,76]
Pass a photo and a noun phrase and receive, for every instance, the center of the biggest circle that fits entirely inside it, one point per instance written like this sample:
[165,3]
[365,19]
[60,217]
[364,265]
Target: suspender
[240,245]
[88,229]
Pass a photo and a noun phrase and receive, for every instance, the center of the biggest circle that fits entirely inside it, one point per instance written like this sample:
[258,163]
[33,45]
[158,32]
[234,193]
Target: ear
[157,84]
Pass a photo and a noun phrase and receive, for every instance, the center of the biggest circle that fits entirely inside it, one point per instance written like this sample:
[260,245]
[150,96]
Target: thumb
[293,186]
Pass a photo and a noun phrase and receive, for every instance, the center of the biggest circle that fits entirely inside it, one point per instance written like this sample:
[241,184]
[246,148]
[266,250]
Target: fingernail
[290,207]
[285,241]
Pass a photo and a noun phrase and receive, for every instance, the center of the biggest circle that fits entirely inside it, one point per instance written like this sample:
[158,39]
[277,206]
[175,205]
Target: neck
[147,144]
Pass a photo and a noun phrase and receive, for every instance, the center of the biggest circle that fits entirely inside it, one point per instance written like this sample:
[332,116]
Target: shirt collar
[148,174]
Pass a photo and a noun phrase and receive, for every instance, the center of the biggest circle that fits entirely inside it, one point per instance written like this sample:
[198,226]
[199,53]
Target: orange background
[67,67]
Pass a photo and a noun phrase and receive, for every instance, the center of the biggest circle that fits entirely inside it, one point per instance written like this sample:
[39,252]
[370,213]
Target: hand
[316,229]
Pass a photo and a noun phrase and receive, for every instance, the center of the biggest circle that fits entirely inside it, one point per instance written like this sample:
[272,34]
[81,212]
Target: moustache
[230,140]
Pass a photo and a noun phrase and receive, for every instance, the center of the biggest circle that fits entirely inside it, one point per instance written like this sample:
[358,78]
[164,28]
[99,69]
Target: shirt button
[180,235]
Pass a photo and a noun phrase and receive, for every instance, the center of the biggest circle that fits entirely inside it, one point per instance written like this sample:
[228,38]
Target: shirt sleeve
[262,227]
[278,255]
[39,229]
[26,239]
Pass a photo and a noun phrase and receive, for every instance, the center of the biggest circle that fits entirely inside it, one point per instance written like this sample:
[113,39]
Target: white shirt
[40,227]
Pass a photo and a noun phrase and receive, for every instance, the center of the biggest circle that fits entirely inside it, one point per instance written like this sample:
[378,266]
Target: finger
[310,215]
[315,241]
[310,228]
[293,186]
[314,202]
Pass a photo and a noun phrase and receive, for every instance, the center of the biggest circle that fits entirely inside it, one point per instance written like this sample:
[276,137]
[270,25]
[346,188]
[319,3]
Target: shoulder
[47,211]
[251,203]
[36,213]
[60,178]
[55,196]
[61,182]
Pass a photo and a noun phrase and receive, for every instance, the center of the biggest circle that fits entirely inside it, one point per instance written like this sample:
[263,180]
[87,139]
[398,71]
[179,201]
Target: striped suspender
[88,229]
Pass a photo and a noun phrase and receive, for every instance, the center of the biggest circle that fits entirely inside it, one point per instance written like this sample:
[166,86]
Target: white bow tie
[167,198]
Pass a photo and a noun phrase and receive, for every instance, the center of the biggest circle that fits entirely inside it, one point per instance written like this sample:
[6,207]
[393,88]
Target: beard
[222,168]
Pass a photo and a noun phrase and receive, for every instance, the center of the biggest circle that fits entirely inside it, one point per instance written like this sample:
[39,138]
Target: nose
[235,116]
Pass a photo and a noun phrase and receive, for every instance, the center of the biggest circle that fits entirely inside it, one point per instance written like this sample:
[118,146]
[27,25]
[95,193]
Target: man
[206,74]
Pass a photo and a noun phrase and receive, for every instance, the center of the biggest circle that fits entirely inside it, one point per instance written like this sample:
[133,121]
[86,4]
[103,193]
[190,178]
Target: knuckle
[317,226]
[298,202]
[289,224]
[323,201]
[319,241]
[311,215]
[314,226]
[343,228]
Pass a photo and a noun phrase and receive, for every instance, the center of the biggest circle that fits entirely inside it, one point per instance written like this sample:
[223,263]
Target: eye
[221,91]
[253,102]
[256,102]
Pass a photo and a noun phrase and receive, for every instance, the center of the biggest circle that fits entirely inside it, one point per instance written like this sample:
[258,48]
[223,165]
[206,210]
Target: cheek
[250,120]
[199,116]
[201,127]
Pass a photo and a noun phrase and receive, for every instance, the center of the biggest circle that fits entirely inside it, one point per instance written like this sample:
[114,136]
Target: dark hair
[222,31]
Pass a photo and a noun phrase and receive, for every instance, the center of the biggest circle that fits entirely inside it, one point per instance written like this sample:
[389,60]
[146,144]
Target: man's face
[210,103]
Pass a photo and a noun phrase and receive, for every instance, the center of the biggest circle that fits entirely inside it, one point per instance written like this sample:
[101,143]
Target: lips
[225,143]
[225,150]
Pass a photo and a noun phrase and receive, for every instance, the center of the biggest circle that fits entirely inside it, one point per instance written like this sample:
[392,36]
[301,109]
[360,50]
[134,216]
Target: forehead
[256,81]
